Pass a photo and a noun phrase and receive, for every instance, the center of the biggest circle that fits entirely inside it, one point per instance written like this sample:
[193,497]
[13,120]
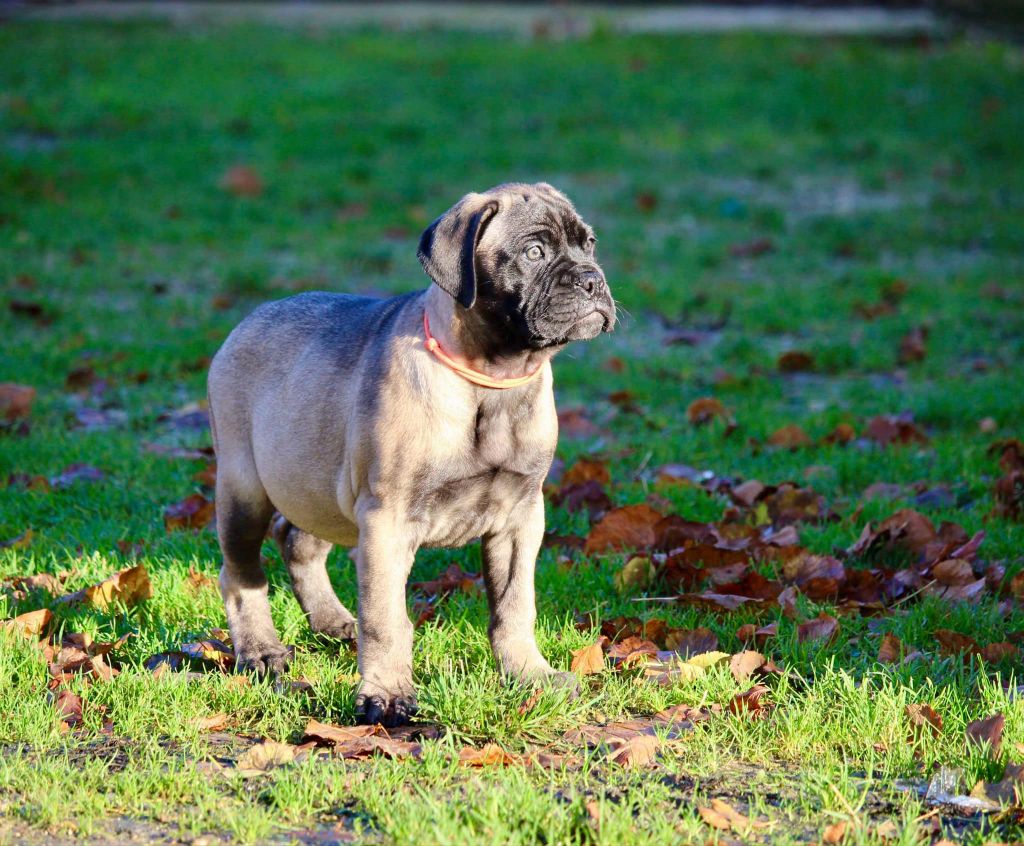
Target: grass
[861,162]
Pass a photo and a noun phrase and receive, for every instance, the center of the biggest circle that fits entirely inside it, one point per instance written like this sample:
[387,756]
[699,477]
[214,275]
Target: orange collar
[474,376]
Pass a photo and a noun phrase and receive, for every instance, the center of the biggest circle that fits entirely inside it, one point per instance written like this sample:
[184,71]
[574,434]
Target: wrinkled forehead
[529,211]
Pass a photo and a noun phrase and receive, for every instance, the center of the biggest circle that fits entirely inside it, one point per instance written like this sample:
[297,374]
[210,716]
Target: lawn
[820,239]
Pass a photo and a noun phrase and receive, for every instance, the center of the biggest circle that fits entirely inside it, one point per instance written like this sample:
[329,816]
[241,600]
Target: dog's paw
[263,660]
[375,705]
[339,629]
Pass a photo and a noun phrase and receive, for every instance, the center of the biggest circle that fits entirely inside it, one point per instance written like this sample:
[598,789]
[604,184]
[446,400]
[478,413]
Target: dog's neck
[470,342]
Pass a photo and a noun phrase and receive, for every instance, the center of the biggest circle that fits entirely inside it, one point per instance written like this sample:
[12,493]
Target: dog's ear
[447,249]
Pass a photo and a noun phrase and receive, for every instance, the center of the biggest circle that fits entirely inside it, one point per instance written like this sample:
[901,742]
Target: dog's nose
[590,280]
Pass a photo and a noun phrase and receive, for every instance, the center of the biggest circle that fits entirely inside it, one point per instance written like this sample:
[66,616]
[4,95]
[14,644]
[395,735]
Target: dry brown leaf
[834,833]
[843,433]
[329,734]
[127,586]
[824,627]
[69,707]
[885,430]
[15,401]
[705,409]
[586,470]
[452,580]
[488,755]
[31,625]
[193,512]
[914,345]
[630,527]
[265,756]
[922,716]
[198,581]
[688,642]
[588,660]
[749,703]
[789,436]
[635,751]
[955,643]
[242,181]
[987,732]
[743,664]
[637,573]
[214,722]
[891,649]
[795,361]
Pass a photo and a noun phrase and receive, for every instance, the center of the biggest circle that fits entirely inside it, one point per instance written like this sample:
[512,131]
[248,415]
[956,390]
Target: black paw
[389,711]
[340,630]
[272,660]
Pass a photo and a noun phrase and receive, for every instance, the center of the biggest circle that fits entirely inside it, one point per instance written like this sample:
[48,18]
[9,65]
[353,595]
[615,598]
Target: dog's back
[286,368]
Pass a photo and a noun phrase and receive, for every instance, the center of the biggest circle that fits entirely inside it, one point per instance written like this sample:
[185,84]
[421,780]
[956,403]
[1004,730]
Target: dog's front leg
[509,559]
[383,560]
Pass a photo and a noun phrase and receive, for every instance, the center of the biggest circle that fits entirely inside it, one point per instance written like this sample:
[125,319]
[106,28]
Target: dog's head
[520,261]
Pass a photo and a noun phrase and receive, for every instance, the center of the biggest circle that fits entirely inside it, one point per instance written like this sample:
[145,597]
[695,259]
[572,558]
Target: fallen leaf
[705,409]
[215,722]
[488,755]
[913,345]
[722,816]
[68,706]
[891,649]
[198,581]
[212,650]
[688,642]
[31,625]
[749,703]
[452,580]
[632,650]
[588,660]
[824,627]
[264,757]
[923,716]
[987,732]
[15,401]
[327,734]
[834,833]
[743,664]
[790,437]
[795,361]
[886,430]
[127,586]
[887,830]
[843,433]
[193,512]
[637,751]
[586,470]
[574,423]
[636,573]
[629,527]
[242,181]
[955,643]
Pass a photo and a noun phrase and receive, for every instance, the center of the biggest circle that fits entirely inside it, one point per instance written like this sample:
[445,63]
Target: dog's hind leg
[306,558]
[243,514]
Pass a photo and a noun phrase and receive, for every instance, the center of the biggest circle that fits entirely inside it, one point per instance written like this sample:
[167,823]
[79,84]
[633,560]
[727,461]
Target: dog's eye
[534,253]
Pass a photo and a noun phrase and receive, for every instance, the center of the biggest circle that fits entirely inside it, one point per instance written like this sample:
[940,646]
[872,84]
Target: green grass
[863,162]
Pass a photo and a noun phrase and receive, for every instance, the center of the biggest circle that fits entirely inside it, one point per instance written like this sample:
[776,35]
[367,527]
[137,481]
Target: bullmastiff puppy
[424,420]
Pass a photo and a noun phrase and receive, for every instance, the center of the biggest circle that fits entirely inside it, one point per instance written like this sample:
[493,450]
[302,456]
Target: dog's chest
[486,479]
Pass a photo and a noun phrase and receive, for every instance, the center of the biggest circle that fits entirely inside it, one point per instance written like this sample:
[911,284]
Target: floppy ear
[447,249]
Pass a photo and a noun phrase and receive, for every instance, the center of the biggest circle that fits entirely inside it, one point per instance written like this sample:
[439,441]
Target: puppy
[427,419]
